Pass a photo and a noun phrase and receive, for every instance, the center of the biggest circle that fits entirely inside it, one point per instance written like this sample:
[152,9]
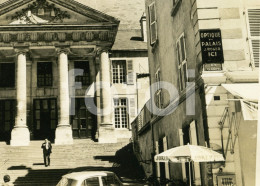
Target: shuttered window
[119,71]
[158,96]
[152,23]
[182,62]
[254,34]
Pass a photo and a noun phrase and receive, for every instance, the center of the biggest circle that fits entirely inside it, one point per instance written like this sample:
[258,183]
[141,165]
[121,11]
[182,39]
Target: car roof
[86,174]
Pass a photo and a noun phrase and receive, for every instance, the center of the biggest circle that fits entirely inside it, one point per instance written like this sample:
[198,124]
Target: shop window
[7,74]
[254,34]
[44,74]
[152,23]
[85,78]
[182,62]
[120,113]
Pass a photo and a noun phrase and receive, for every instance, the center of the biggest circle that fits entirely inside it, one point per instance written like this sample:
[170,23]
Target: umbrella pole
[189,173]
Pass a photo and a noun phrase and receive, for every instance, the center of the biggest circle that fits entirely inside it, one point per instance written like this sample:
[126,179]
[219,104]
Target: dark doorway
[7,118]
[83,121]
[45,118]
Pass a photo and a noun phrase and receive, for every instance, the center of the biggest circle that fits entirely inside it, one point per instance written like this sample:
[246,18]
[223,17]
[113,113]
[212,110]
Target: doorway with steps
[83,122]
[45,118]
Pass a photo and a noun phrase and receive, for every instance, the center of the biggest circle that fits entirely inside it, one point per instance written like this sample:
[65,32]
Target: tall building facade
[220,42]
[175,114]
[69,71]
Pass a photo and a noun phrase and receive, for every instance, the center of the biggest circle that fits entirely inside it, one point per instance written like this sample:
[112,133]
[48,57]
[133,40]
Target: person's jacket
[46,148]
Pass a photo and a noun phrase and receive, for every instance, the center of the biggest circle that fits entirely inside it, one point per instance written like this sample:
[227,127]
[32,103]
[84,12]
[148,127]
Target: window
[7,115]
[7,74]
[120,114]
[91,182]
[182,62]
[176,5]
[110,179]
[158,96]
[44,74]
[254,34]
[119,71]
[85,78]
[152,23]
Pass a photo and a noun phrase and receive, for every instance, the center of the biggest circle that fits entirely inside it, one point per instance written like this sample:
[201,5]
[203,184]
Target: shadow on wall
[125,164]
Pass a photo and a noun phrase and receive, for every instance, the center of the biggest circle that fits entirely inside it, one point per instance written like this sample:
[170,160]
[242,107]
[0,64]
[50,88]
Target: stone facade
[226,127]
[47,100]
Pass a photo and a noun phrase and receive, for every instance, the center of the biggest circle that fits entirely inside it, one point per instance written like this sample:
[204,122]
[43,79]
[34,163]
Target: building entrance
[45,118]
[83,121]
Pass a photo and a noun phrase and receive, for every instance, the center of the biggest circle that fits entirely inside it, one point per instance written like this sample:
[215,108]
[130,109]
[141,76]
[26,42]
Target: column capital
[100,50]
[60,50]
[21,50]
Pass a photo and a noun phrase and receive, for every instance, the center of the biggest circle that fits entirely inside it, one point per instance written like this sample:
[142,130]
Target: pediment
[38,12]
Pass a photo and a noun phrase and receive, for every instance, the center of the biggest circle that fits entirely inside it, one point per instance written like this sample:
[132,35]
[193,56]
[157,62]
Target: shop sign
[213,67]
[211,46]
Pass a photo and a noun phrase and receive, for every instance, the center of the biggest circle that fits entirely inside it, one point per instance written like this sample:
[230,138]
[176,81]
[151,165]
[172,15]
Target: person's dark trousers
[47,160]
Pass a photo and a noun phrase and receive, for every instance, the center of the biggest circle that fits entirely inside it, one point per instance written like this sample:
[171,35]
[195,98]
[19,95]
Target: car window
[66,182]
[91,182]
[110,180]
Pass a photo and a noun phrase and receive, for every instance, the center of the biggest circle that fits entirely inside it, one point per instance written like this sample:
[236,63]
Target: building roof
[129,40]
[129,14]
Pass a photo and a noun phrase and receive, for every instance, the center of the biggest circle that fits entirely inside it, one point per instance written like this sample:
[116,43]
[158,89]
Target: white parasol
[189,153]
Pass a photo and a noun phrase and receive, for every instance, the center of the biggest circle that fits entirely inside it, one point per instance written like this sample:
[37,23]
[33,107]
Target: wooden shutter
[183,164]
[130,72]
[167,170]
[254,34]
[132,109]
[157,164]
[152,23]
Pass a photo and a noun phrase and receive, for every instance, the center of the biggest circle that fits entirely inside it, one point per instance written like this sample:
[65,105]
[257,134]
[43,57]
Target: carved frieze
[57,36]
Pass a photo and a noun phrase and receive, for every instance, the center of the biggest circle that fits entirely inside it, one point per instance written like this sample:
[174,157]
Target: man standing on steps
[46,149]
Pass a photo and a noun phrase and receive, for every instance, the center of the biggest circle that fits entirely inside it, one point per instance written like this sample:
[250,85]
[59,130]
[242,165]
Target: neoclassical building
[60,78]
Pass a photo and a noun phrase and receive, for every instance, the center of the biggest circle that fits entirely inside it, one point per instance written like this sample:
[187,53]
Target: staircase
[25,164]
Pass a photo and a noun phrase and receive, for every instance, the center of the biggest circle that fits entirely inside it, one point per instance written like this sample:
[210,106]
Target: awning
[248,94]
[245,91]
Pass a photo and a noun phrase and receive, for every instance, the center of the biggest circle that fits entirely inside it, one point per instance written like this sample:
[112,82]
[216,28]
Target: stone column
[20,135]
[63,134]
[106,127]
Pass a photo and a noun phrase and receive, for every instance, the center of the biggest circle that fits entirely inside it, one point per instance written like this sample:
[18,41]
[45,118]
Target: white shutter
[254,34]
[167,171]
[152,23]
[182,164]
[131,110]
[157,164]
[130,72]
[194,141]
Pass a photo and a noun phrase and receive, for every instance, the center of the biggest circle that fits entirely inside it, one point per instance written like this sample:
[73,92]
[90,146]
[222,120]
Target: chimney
[143,27]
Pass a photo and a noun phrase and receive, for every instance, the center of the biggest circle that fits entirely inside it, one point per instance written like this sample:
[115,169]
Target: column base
[106,134]
[63,135]
[20,137]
